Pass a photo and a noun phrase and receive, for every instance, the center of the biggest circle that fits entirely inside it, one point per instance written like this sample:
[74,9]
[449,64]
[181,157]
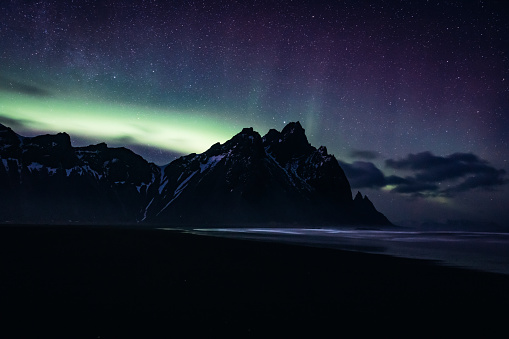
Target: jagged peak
[214,148]
[292,130]
[295,133]
[241,141]
[8,130]
[290,143]
[358,197]
[66,138]
[293,127]
[62,139]
[364,200]
[271,134]
[271,138]
[102,146]
[247,132]
[323,150]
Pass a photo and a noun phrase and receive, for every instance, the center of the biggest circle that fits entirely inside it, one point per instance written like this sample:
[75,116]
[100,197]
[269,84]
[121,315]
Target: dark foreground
[107,282]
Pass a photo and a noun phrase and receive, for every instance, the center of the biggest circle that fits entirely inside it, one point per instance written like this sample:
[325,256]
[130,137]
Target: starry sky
[412,97]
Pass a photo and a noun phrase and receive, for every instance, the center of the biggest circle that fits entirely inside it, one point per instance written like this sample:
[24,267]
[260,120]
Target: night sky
[412,97]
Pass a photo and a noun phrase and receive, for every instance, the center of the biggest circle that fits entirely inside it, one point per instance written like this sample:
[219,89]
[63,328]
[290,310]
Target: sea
[483,251]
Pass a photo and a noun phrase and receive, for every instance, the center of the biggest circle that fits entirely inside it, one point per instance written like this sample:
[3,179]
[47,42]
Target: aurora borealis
[411,96]
[180,132]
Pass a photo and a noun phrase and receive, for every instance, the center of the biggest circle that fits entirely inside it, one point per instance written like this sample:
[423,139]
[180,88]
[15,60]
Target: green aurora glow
[167,129]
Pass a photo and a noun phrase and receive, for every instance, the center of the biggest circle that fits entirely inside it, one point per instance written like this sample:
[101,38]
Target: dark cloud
[23,88]
[459,171]
[436,168]
[487,180]
[412,186]
[431,175]
[362,174]
[364,154]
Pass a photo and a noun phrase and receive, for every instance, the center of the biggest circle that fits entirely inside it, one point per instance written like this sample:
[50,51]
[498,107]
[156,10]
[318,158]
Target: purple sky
[412,97]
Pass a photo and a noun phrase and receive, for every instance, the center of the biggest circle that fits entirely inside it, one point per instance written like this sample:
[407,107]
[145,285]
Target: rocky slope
[249,180]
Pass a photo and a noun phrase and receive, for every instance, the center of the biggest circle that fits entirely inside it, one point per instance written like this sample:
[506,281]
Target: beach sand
[79,281]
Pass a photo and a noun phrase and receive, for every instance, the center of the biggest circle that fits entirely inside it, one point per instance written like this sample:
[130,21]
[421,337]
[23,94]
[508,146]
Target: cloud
[364,154]
[458,172]
[363,174]
[487,180]
[410,185]
[436,168]
[22,88]
[430,175]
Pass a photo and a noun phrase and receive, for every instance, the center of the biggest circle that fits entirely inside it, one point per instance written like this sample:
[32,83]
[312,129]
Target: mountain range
[277,179]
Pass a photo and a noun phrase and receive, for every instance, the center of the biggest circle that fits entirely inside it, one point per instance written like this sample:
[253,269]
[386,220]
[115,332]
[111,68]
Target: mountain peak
[293,127]
[358,197]
[49,141]
[102,146]
[295,134]
[247,130]
[323,151]
[246,135]
[6,130]
[288,144]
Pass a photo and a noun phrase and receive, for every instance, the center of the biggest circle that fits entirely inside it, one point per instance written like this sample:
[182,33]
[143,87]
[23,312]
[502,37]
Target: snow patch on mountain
[35,166]
[212,161]
[161,188]
[292,168]
[146,209]
[178,191]
[184,183]
[270,156]
[82,170]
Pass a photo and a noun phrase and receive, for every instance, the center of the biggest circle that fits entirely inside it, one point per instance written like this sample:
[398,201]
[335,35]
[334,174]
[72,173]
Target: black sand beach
[107,282]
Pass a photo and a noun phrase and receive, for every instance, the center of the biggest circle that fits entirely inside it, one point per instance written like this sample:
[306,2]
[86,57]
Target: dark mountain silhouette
[45,180]
[277,179]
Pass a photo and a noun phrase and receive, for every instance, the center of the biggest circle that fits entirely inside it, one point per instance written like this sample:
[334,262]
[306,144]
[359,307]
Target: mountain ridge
[279,178]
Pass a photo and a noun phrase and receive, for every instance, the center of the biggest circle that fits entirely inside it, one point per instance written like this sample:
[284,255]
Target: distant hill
[276,179]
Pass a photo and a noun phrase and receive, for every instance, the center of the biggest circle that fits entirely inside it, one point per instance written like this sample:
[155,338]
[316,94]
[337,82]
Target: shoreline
[107,282]
[478,251]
